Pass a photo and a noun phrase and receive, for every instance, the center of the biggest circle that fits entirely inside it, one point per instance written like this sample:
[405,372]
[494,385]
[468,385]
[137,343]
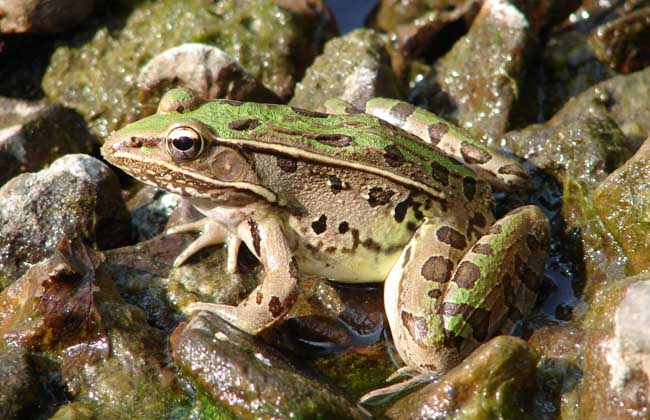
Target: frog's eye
[184,143]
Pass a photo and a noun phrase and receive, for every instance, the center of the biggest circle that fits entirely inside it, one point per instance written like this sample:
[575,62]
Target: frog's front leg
[211,233]
[272,299]
[444,296]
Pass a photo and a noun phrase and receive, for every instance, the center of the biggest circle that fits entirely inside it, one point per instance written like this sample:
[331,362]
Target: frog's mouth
[176,179]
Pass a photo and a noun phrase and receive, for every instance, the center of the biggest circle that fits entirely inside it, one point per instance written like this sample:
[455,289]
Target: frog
[378,192]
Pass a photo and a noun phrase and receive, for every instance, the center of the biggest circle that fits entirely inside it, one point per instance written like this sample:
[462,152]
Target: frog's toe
[227,312]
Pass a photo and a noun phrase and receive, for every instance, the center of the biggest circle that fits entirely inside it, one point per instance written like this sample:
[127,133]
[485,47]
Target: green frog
[388,193]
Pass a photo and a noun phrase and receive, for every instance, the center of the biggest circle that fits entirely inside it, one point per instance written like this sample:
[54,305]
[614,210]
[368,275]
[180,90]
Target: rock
[559,371]
[16,383]
[207,70]
[476,83]
[150,210]
[42,16]
[354,67]
[623,204]
[77,195]
[493,382]
[101,350]
[617,353]
[252,380]
[390,14]
[74,411]
[34,134]
[623,43]
[273,43]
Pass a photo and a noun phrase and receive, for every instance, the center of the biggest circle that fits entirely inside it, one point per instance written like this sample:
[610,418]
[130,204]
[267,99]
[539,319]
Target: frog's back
[357,141]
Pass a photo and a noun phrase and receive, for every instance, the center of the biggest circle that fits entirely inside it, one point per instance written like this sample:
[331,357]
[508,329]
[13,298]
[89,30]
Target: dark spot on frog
[243,125]
[335,184]
[438,269]
[417,327]
[477,318]
[377,196]
[330,250]
[334,140]
[288,165]
[467,274]
[355,241]
[259,297]
[478,219]
[371,245]
[343,227]
[255,235]
[440,173]
[483,249]
[320,225]
[513,169]
[474,154]
[393,156]
[469,187]
[411,226]
[495,229]
[402,207]
[437,131]
[434,293]
[451,237]
[401,112]
[308,113]
[275,307]
[293,268]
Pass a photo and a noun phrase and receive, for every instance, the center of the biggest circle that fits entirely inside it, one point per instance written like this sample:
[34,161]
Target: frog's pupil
[183,143]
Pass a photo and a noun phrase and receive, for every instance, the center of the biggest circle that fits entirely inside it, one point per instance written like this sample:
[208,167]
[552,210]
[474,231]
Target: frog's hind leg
[501,172]
[497,282]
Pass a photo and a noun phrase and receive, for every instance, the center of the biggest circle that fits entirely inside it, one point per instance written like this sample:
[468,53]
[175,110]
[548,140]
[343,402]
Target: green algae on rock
[623,203]
[97,78]
[493,382]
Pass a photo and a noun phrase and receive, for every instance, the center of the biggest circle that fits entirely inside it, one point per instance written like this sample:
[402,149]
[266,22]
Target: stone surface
[205,69]
[33,134]
[623,203]
[249,378]
[275,43]
[17,387]
[493,382]
[77,195]
[354,67]
[42,16]
[477,82]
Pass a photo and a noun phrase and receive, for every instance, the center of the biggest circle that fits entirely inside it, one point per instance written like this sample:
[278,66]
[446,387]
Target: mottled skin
[353,198]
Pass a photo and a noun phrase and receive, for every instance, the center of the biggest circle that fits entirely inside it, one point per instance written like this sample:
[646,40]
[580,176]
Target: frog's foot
[227,312]
[381,396]
[212,233]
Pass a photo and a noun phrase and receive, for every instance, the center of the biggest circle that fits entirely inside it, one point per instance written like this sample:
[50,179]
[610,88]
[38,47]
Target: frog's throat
[266,194]
[302,154]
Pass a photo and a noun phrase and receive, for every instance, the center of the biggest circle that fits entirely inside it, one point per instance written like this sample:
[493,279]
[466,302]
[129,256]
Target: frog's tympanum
[390,193]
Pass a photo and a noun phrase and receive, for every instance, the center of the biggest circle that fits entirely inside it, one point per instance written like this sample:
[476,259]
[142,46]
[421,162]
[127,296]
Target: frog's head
[177,149]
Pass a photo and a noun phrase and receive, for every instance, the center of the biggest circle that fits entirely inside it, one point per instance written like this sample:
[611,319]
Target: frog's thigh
[415,287]
[496,282]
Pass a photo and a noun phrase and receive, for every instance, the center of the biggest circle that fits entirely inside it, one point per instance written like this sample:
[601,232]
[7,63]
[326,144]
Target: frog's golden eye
[184,143]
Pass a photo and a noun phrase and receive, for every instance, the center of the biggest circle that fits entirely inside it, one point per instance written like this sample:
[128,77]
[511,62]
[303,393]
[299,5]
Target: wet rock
[74,411]
[250,379]
[493,382]
[274,43]
[617,353]
[33,134]
[150,210]
[355,68]
[476,83]
[76,196]
[16,384]
[559,371]
[390,14]
[623,203]
[623,43]
[206,70]
[42,16]
[103,352]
